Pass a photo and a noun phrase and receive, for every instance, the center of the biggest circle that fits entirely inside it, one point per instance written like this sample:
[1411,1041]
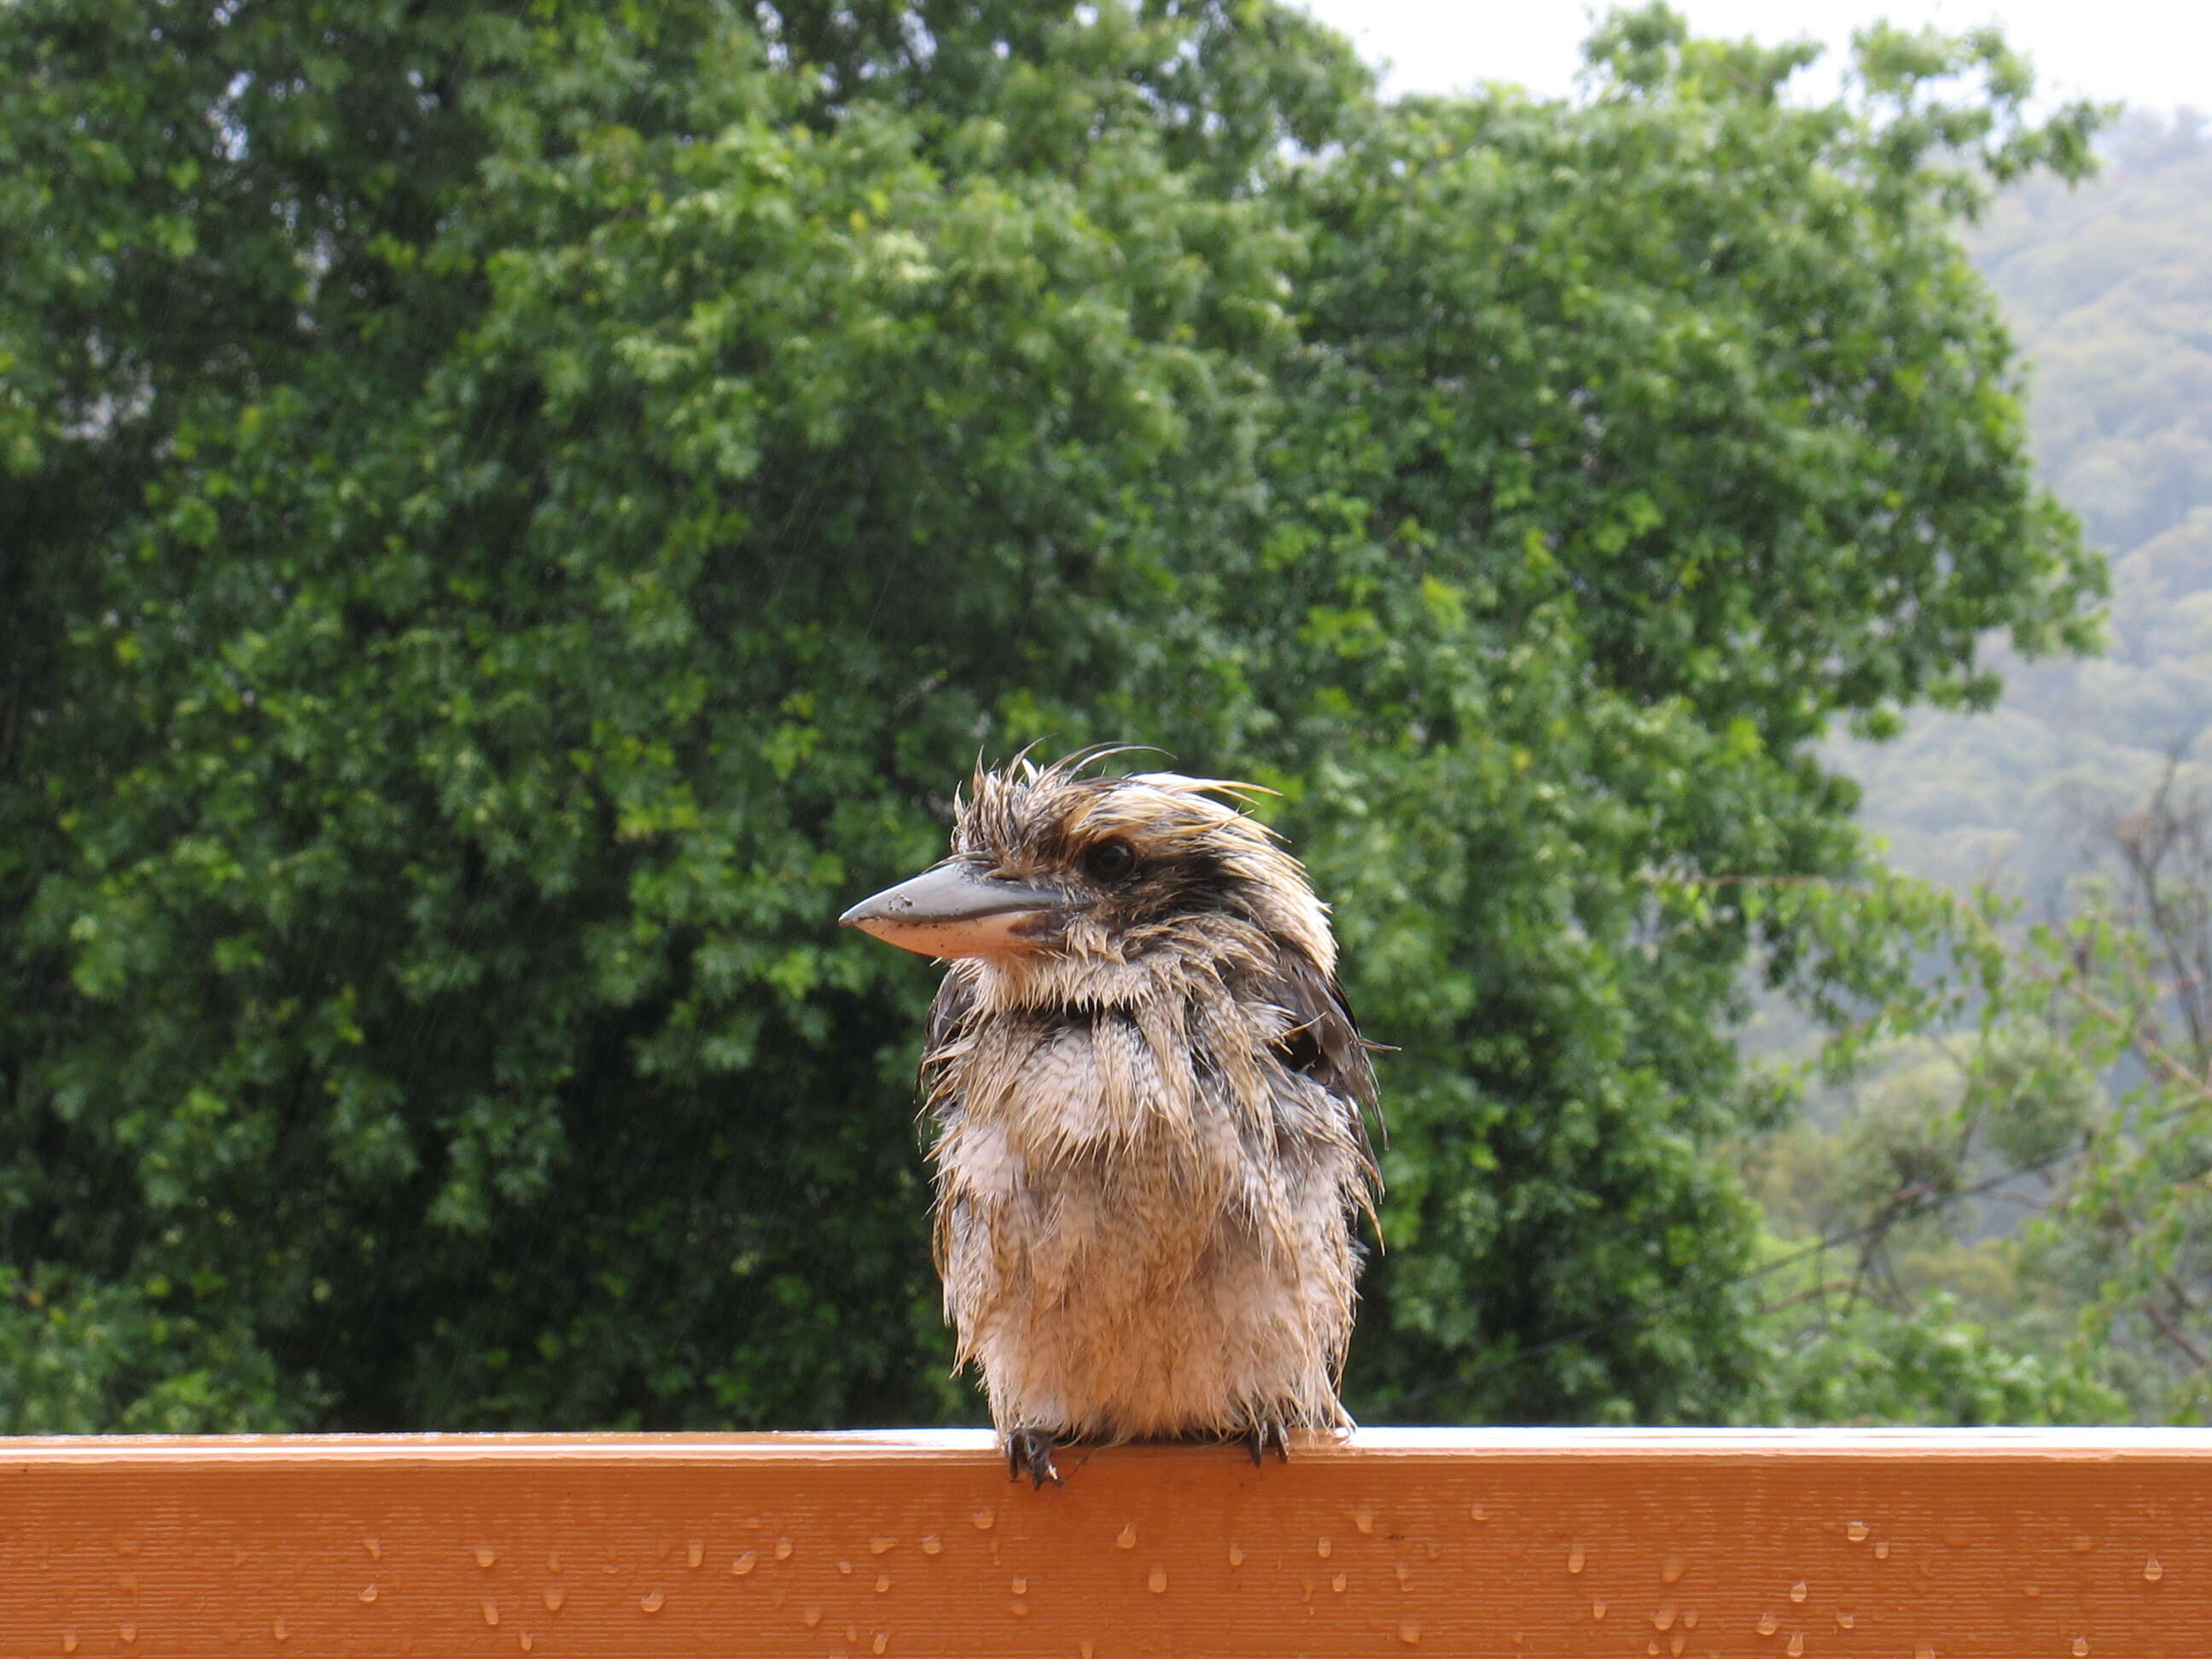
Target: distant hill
[2108,289]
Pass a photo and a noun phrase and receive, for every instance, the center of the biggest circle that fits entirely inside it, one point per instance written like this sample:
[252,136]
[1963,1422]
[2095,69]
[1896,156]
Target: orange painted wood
[2077,1544]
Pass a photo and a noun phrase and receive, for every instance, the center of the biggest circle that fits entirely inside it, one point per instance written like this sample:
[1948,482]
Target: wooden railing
[2075,1544]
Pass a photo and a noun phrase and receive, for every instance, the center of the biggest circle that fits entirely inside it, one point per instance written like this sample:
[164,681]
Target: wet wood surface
[1940,1545]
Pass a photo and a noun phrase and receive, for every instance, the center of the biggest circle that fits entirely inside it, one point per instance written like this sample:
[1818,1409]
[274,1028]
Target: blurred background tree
[514,514]
[2104,291]
[2016,1165]
[2066,1248]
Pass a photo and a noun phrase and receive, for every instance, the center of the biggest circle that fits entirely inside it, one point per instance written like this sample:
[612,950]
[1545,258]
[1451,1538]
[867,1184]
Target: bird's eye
[1111,860]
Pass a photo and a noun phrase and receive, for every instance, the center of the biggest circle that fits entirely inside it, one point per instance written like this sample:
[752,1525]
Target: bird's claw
[1029,1451]
[1265,1437]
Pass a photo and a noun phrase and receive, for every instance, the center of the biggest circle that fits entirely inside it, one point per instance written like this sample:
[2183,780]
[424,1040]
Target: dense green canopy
[514,515]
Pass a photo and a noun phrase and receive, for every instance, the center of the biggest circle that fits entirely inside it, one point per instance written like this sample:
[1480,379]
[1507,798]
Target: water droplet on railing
[1323,1549]
[932,1543]
[129,1633]
[553,1595]
[1672,1569]
[1337,1583]
[1236,1556]
[1021,1587]
[491,1613]
[811,1615]
[783,1549]
[984,1519]
[281,1630]
[368,1593]
[1856,1531]
[1127,1538]
[1409,1633]
[2081,1647]
[374,1548]
[882,1640]
[651,1602]
[1797,1643]
[2152,1571]
[1768,1624]
[1157,1581]
[486,1557]
[881,1544]
[1881,1549]
[1575,1558]
[1363,1520]
[68,1641]
[694,1552]
[1797,1591]
[1597,1608]
[742,1565]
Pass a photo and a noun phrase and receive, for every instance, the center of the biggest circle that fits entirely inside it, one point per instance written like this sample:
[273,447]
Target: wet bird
[1149,1100]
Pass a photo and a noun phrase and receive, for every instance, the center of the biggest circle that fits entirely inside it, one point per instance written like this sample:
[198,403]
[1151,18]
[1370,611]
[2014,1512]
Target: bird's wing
[1324,1041]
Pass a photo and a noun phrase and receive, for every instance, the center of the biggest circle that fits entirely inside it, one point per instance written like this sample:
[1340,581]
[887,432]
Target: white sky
[2155,53]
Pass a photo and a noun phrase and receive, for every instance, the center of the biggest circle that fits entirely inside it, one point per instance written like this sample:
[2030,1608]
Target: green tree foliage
[2103,288]
[2085,790]
[516,515]
[2012,1221]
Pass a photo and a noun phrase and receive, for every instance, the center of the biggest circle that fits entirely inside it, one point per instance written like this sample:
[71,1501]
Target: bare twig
[2174,1333]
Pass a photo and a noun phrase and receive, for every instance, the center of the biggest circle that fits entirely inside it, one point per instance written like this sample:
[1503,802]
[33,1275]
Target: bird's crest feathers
[1025,816]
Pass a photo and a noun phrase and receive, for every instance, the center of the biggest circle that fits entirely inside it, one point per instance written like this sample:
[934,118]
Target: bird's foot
[1029,1451]
[1265,1437]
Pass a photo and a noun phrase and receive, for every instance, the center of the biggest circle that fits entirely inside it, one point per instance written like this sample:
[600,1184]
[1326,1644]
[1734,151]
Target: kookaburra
[1148,1098]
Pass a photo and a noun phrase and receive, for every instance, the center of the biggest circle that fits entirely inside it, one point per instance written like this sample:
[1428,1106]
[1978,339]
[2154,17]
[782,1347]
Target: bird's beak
[954,910]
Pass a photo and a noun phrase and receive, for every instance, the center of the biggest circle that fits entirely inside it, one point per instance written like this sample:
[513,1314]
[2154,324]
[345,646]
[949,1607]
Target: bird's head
[1047,862]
